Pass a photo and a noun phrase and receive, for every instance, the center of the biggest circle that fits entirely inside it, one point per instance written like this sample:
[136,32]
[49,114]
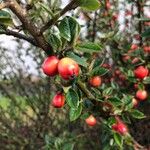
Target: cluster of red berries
[140,73]
[66,68]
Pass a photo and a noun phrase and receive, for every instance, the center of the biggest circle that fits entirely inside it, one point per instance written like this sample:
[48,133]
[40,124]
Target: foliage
[101,49]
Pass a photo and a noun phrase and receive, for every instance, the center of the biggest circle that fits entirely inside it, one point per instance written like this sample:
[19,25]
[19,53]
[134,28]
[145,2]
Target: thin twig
[139,7]
[29,26]
[85,90]
[71,5]
[19,35]
[3,5]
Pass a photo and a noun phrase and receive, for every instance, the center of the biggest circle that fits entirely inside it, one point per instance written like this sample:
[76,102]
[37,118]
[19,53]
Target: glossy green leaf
[72,98]
[115,101]
[137,114]
[55,41]
[118,139]
[75,113]
[108,91]
[88,47]
[68,146]
[144,19]
[99,71]
[5,18]
[89,4]
[79,60]
[64,29]
[46,8]
[69,29]
[85,115]
[146,33]
[98,62]
[146,80]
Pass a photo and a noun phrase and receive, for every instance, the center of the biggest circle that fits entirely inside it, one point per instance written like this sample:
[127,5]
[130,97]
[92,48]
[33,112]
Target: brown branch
[28,25]
[3,5]
[19,35]
[71,5]
[85,90]
[137,146]
[139,7]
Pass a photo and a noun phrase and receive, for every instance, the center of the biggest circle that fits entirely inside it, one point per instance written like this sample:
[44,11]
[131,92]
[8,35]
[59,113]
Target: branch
[71,5]
[28,25]
[85,90]
[19,35]
[3,5]
[139,7]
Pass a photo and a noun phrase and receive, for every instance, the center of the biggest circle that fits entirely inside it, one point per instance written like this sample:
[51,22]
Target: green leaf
[72,98]
[5,18]
[79,60]
[98,62]
[89,4]
[64,29]
[75,113]
[115,101]
[137,114]
[146,33]
[127,100]
[68,146]
[2,28]
[69,29]
[55,41]
[88,47]
[98,71]
[46,8]
[144,19]
[118,139]
[108,91]
[85,115]
[146,80]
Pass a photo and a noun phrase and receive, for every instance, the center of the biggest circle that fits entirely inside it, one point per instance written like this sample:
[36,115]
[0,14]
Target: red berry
[117,72]
[135,102]
[135,60]
[135,85]
[137,36]
[91,120]
[59,100]
[126,58]
[120,127]
[134,46]
[68,68]
[95,81]
[49,65]
[107,66]
[146,49]
[141,72]
[141,95]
